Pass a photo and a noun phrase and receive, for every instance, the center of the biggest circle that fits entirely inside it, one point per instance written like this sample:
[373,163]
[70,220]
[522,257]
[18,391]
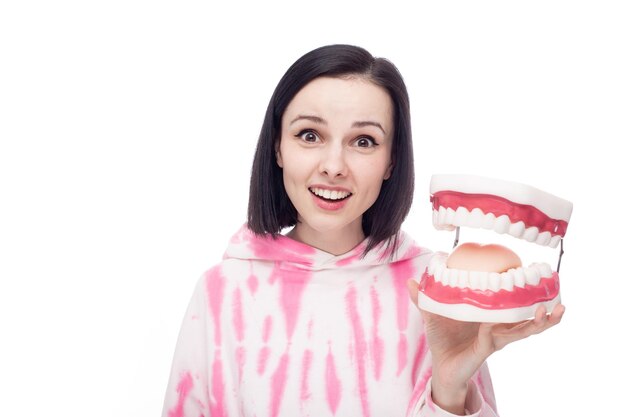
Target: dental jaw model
[487,283]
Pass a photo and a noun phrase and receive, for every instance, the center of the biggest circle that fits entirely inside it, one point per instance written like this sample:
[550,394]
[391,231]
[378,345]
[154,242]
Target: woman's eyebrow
[368,123]
[315,119]
[319,120]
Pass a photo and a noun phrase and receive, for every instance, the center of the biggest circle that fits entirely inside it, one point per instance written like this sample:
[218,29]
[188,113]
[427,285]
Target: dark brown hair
[269,207]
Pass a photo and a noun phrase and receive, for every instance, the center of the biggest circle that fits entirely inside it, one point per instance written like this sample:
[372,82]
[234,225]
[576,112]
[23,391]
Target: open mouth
[330,196]
[521,211]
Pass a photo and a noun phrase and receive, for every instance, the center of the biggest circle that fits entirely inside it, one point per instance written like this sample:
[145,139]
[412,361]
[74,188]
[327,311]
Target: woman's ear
[279,158]
[388,172]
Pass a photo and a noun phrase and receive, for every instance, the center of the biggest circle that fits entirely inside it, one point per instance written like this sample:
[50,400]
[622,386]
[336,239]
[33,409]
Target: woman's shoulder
[406,247]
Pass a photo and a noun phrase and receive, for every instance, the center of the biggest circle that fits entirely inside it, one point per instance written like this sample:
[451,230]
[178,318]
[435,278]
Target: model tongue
[489,258]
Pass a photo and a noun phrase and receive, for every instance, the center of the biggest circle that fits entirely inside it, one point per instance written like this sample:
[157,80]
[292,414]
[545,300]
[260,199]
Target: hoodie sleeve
[480,401]
[187,392]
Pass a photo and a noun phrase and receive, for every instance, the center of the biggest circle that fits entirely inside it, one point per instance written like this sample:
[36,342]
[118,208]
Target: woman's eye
[365,142]
[308,136]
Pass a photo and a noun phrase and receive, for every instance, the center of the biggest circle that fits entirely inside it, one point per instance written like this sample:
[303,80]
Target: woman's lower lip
[329,205]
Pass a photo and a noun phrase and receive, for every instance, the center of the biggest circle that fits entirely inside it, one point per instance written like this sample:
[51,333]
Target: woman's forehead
[335,99]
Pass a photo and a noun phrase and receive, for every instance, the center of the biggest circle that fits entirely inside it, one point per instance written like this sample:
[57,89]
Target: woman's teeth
[330,195]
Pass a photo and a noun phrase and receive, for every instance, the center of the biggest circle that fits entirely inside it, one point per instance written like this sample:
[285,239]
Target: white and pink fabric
[279,328]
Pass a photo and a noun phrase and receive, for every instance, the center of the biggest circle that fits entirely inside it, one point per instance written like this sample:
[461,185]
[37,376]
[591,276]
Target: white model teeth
[502,224]
[476,218]
[462,215]
[454,278]
[519,279]
[544,269]
[483,281]
[488,220]
[506,281]
[494,281]
[532,275]
[448,219]
[450,215]
[330,195]
[531,234]
[463,279]
[517,229]
[544,238]
[554,241]
[474,279]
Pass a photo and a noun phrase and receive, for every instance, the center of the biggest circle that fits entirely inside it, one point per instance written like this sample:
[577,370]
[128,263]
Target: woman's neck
[333,242]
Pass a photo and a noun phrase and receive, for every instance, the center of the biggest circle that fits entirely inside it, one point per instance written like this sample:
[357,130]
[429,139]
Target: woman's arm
[187,388]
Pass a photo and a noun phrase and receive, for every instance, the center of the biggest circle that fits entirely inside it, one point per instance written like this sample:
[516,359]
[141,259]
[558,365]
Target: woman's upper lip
[330,187]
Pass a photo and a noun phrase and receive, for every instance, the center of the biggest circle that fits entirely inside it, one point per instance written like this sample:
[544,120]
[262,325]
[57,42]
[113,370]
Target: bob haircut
[269,207]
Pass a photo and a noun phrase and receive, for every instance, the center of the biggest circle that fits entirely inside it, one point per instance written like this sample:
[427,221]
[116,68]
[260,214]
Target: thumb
[485,340]
[413,290]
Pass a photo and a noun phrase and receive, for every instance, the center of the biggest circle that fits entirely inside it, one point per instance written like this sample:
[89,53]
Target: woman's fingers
[504,334]
[413,290]
[557,314]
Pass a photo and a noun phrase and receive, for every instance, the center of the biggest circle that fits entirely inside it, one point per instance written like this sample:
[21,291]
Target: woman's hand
[459,348]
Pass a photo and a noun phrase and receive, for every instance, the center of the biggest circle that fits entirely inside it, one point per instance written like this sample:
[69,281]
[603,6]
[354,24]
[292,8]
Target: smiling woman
[318,321]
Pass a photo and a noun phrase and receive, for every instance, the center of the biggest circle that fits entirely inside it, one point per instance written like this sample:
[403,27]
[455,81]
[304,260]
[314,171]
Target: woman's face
[335,151]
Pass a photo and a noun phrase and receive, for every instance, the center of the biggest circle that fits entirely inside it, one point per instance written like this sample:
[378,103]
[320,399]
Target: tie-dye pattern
[279,328]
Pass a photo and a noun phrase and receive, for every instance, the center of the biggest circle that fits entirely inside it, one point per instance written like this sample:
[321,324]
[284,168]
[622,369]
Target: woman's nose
[333,162]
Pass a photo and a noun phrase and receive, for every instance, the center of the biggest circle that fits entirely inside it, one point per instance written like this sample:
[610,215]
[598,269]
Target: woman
[317,322]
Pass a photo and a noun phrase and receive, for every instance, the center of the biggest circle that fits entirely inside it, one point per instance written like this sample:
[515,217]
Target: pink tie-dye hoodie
[283,329]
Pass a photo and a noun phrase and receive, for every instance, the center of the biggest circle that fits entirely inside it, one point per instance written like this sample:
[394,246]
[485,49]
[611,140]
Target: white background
[127,131]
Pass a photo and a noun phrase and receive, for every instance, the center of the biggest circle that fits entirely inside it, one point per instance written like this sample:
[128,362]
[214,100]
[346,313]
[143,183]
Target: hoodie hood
[245,245]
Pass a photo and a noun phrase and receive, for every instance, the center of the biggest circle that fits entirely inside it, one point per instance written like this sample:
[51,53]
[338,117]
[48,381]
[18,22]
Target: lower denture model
[487,283]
